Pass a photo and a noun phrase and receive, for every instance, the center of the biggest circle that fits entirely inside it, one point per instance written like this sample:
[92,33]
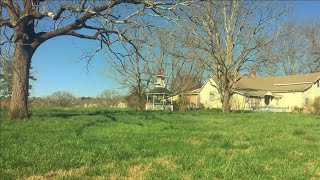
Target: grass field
[128,144]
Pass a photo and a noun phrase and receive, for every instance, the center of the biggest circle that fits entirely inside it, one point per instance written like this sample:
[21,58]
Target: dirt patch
[186,177]
[109,165]
[61,173]
[316,176]
[310,165]
[197,141]
[169,162]
[137,171]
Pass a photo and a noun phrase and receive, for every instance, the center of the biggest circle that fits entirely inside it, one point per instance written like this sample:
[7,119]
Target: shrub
[316,105]
[182,104]
[62,99]
[297,109]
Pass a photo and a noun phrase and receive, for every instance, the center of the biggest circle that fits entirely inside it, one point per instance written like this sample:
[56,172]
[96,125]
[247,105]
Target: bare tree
[294,53]
[133,71]
[231,34]
[312,33]
[180,62]
[35,21]
[287,55]
[158,50]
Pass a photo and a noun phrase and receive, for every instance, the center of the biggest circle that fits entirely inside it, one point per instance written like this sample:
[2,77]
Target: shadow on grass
[60,113]
[99,122]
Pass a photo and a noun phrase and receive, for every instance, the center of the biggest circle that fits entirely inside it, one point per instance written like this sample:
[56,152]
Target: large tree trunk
[20,88]
[226,102]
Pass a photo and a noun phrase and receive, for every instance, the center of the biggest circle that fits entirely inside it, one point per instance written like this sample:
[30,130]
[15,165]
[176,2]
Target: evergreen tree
[6,77]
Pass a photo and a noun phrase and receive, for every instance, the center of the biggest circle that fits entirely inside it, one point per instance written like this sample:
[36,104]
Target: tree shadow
[79,131]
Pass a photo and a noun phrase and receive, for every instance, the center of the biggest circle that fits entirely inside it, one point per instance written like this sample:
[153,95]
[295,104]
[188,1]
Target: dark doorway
[267,99]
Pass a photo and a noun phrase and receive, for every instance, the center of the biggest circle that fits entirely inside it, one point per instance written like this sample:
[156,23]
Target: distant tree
[110,97]
[62,99]
[109,94]
[6,76]
[312,32]
[185,81]
[105,21]
[284,56]
[135,70]
[136,99]
[294,53]
[182,63]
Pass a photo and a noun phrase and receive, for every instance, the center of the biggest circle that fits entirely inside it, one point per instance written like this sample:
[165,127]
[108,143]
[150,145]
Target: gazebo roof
[160,73]
[159,90]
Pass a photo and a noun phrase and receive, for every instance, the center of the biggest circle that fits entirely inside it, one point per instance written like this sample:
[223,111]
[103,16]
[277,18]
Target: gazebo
[159,98]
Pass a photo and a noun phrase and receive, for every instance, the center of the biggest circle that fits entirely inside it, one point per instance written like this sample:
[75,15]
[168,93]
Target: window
[307,101]
[211,96]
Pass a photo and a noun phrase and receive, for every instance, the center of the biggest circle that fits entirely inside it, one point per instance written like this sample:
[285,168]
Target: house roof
[160,73]
[159,90]
[194,91]
[291,83]
[261,86]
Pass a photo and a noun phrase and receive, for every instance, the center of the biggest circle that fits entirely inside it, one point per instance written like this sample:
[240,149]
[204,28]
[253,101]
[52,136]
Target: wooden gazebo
[159,98]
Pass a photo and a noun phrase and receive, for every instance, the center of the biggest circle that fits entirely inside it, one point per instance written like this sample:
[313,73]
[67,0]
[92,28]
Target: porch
[271,109]
[159,106]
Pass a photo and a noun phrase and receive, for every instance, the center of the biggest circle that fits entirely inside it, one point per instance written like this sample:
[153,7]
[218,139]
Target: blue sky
[57,65]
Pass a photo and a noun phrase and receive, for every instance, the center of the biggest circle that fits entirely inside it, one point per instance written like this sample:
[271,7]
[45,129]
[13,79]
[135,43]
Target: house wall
[311,93]
[194,99]
[209,95]
[240,102]
[210,98]
[289,100]
[298,99]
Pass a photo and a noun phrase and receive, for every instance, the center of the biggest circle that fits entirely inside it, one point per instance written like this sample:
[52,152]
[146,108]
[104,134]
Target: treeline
[108,98]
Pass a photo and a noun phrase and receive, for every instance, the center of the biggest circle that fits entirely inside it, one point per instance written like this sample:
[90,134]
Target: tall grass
[118,144]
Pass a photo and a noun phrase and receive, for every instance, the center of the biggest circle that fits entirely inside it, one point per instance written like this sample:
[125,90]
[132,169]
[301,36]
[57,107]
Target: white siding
[208,90]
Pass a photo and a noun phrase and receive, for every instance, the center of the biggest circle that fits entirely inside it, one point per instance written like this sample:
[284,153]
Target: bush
[297,109]
[3,112]
[182,104]
[316,105]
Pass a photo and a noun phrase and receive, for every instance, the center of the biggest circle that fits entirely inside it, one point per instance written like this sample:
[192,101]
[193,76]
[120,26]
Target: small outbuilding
[159,98]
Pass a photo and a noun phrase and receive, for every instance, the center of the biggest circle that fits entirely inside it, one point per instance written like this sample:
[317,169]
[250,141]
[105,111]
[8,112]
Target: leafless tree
[231,34]
[134,71]
[180,62]
[159,51]
[287,55]
[32,22]
[312,34]
[295,53]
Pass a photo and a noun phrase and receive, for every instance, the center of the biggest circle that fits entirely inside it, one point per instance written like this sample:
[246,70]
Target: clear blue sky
[58,67]
[57,64]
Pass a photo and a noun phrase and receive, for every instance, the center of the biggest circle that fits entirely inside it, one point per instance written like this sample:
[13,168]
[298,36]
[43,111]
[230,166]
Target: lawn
[128,144]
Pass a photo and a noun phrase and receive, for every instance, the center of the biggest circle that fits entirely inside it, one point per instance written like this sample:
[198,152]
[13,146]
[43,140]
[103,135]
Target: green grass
[119,144]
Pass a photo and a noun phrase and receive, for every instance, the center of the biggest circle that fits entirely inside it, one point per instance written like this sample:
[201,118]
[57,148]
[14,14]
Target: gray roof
[159,90]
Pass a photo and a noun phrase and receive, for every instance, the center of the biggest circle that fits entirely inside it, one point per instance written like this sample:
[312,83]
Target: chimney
[252,74]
